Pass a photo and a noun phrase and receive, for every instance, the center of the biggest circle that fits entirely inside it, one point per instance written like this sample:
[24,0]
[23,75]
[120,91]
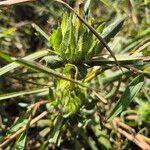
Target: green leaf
[102,137]
[91,50]
[6,56]
[132,89]
[56,39]
[64,22]
[87,5]
[21,142]
[79,50]
[20,122]
[72,44]
[53,61]
[110,31]
[14,65]
[88,40]
[64,47]
[101,27]
[55,132]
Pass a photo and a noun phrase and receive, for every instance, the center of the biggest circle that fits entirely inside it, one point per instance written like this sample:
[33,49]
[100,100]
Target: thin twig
[145,138]
[123,125]
[40,68]
[42,102]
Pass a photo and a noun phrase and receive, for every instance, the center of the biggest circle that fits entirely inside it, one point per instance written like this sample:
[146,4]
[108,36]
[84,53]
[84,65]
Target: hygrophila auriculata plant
[75,46]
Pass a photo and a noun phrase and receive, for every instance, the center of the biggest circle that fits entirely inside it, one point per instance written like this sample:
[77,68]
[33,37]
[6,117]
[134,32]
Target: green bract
[69,96]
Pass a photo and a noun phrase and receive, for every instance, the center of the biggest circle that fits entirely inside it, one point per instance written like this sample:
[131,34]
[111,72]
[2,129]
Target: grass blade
[39,30]
[20,122]
[87,5]
[122,59]
[21,93]
[14,65]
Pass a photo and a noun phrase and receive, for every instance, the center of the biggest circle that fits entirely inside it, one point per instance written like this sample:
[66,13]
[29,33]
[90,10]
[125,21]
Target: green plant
[75,111]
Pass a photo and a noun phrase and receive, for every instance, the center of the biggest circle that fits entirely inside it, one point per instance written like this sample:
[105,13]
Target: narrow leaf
[39,30]
[132,89]
[54,136]
[21,93]
[20,122]
[20,143]
[109,32]
[56,39]
[87,5]
[6,56]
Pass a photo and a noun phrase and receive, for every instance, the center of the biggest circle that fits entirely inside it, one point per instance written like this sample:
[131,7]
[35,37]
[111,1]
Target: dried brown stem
[100,97]
[135,138]
[117,122]
[140,140]
[131,117]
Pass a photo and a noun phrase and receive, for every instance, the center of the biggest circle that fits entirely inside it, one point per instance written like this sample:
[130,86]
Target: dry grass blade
[101,98]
